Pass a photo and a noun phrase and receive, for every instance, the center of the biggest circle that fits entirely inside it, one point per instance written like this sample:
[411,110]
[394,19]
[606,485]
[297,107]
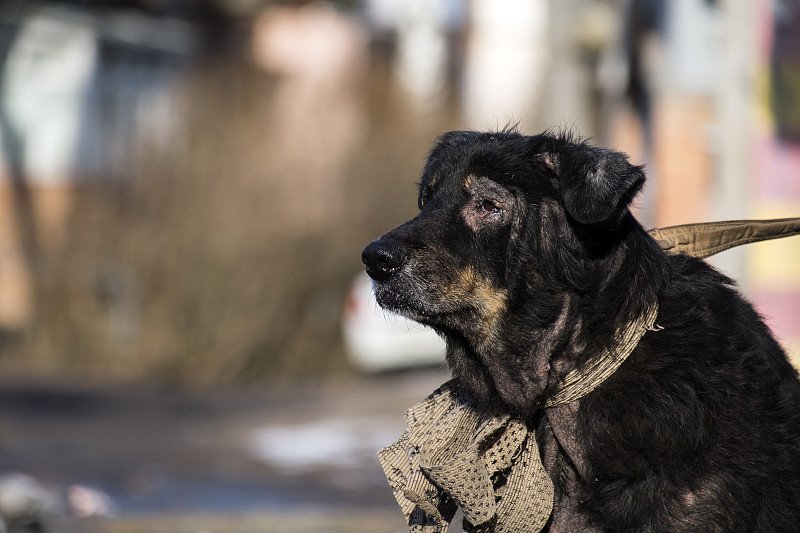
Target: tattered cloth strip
[450,457]
[453,457]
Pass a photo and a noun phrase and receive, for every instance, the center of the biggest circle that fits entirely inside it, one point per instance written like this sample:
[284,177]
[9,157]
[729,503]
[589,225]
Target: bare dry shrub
[223,259]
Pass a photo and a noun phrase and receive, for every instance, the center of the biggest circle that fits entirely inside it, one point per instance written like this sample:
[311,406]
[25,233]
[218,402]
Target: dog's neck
[531,352]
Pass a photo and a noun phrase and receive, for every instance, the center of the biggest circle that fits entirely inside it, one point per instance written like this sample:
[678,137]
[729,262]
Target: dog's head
[514,235]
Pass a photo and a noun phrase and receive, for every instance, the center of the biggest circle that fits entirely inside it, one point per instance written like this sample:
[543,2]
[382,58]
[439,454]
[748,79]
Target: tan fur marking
[482,295]
[468,279]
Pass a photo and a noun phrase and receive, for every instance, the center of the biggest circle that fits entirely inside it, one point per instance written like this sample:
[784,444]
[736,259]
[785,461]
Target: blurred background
[186,343]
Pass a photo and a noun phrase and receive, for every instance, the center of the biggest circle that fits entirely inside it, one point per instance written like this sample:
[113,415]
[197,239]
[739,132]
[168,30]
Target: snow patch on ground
[337,442]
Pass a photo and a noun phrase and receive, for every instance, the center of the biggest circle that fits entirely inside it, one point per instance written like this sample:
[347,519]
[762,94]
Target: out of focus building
[704,92]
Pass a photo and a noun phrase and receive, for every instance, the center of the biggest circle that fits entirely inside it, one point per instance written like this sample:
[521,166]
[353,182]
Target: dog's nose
[383,259]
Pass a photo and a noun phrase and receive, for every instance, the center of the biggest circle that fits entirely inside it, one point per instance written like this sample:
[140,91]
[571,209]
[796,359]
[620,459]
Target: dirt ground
[125,459]
[298,522]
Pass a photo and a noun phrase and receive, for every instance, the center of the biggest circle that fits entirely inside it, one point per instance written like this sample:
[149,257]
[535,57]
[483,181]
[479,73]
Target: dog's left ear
[597,184]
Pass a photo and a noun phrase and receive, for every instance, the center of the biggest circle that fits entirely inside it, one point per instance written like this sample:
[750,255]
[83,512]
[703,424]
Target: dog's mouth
[461,300]
[429,285]
[403,300]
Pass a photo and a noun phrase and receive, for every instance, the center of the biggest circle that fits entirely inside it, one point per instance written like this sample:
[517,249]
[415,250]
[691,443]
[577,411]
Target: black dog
[525,257]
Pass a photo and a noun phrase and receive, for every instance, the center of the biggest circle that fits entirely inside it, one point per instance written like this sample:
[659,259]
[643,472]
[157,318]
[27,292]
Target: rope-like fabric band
[709,238]
[583,380]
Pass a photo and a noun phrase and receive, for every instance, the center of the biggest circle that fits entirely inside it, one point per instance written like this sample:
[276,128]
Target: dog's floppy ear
[597,184]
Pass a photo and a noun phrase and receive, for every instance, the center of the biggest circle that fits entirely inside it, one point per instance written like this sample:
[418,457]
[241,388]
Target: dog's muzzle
[383,258]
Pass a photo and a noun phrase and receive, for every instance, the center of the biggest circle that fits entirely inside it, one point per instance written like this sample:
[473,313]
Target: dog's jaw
[520,363]
[501,357]
[404,295]
[520,284]
[482,351]
[492,383]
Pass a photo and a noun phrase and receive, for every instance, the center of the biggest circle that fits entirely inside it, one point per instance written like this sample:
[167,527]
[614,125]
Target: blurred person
[642,41]
[49,64]
[645,21]
[507,56]
[425,48]
[785,71]
[318,56]
[670,67]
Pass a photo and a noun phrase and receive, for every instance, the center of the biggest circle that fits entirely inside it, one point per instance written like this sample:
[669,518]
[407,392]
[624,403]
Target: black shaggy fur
[525,257]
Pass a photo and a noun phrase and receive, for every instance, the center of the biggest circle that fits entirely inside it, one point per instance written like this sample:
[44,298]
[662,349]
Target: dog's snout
[383,259]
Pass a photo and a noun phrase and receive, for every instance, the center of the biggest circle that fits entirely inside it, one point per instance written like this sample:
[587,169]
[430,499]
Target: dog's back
[700,429]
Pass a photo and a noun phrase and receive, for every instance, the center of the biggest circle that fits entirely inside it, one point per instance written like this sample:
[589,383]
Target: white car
[378,340]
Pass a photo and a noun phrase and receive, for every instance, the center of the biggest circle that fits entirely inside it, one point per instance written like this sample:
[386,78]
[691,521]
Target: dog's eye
[422,200]
[489,207]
